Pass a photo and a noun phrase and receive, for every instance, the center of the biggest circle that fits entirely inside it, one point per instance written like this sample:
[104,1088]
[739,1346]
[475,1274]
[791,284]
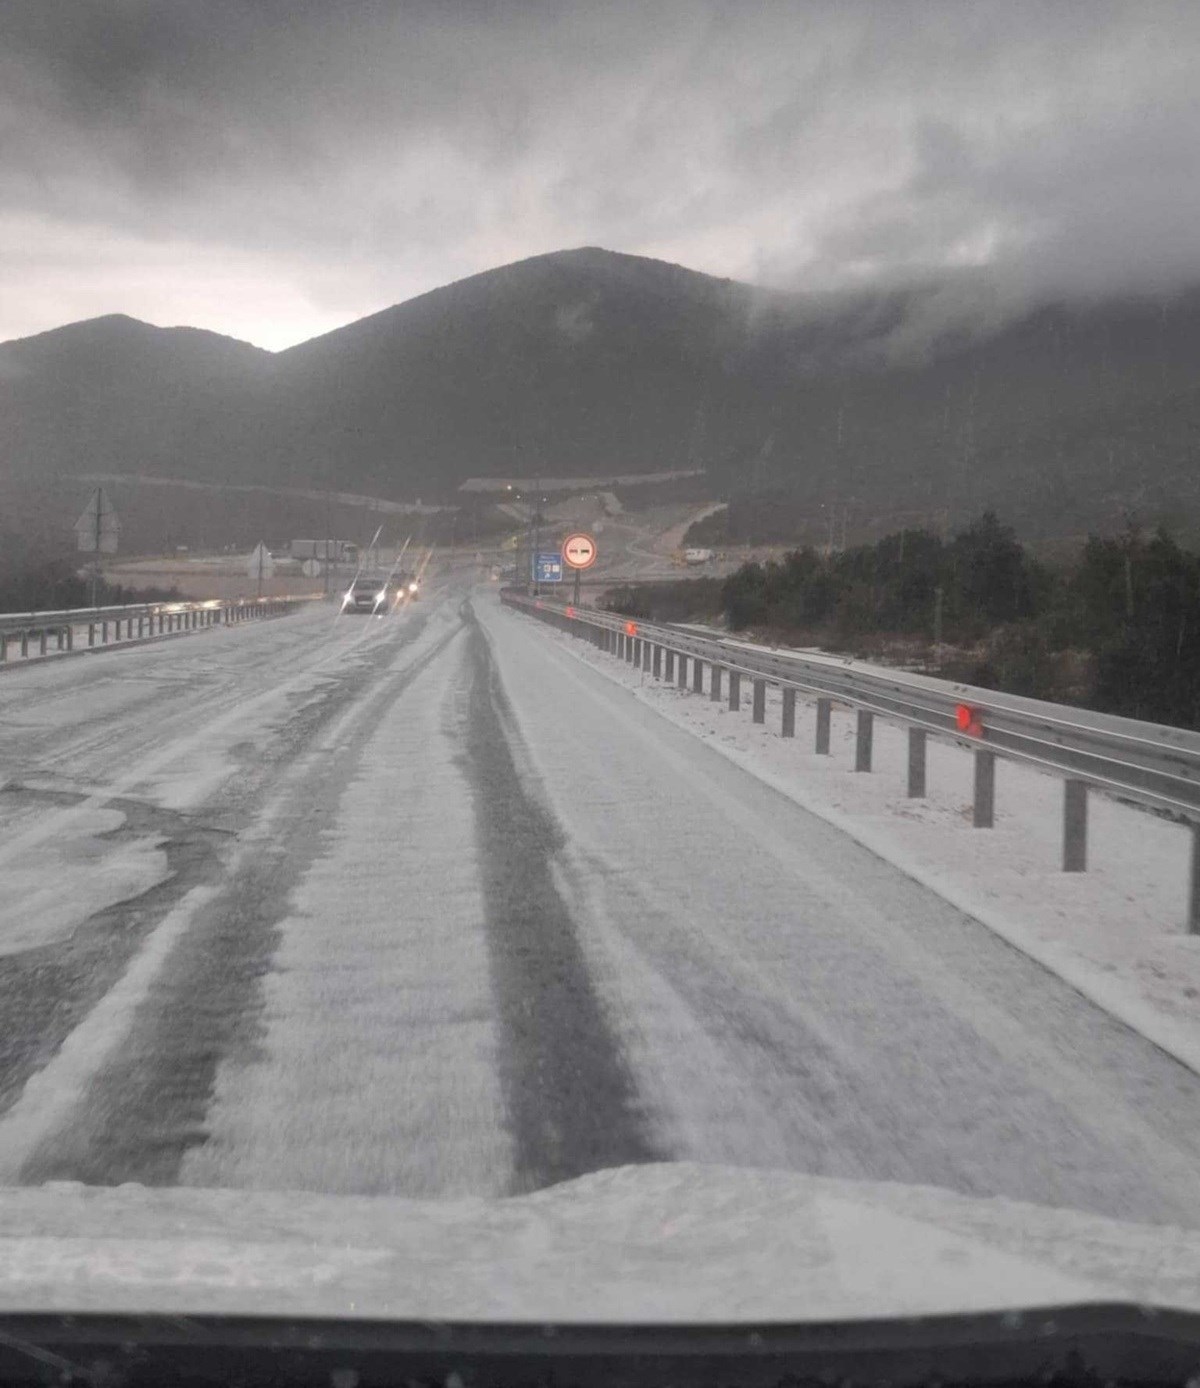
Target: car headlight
[412,587]
[379,597]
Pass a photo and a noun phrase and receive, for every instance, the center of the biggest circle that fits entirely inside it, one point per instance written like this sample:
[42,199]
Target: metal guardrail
[1149,764]
[33,632]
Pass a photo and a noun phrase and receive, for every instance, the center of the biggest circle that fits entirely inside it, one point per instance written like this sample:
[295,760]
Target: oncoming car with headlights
[370,593]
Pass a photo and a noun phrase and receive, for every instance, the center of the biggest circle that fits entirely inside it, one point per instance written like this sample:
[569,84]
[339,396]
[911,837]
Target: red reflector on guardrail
[570,611]
[630,628]
[968,720]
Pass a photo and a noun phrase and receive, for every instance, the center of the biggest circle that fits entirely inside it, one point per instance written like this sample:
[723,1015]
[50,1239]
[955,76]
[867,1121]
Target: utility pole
[96,531]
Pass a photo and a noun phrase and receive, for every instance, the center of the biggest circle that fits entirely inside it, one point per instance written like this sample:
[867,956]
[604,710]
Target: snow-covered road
[428,907]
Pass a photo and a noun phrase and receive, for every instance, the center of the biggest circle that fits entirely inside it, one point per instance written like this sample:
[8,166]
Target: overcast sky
[272,169]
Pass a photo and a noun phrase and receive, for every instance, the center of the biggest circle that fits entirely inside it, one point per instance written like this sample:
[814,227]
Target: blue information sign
[548,568]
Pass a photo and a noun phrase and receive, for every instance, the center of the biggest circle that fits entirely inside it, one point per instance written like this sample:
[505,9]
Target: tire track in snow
[571,1101]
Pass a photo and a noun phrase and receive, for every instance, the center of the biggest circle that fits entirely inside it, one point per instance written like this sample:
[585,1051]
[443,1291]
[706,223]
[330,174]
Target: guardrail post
[864,740]
[70,637]
[824,709]
[985,790]
[24,644]
[788,725]
[735,690]
[1075,809]
[760,701]
[697,676]
[669,675]
[91,633]
[3,646]
[715,695]
[916,763]
[1193,920]
[631,644]
[656,669]
[42,641]
[683,660]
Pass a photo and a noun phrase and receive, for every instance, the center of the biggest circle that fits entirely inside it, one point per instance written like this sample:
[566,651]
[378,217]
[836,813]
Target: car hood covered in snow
[665,1243]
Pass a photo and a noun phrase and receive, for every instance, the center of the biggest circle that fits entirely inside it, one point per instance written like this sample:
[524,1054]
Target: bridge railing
[1150,765]
[27,635]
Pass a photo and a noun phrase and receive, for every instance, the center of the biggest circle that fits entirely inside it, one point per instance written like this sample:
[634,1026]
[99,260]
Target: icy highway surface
[424,906]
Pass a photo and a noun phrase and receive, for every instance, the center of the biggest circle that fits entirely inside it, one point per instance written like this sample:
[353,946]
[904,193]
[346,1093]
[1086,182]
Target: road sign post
[260,565]
[578,553]
[548,568]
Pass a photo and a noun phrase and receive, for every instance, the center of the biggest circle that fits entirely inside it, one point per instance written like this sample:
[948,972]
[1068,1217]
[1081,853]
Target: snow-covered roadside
[1115,933]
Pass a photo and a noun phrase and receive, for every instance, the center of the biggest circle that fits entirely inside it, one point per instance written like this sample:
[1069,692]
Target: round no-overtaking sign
[579,551]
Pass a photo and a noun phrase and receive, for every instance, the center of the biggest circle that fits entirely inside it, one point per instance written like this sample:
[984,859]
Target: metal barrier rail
[33,632]
[1151,765]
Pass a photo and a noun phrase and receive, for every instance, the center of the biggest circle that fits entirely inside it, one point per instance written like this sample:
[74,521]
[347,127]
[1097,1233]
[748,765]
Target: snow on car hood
[660,1243]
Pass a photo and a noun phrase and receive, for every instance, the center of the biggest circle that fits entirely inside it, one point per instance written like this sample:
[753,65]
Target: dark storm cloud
[271,167]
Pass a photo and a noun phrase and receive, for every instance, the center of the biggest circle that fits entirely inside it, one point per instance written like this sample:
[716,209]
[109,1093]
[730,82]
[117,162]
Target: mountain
[592,364]
[572,364]
[115,394]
